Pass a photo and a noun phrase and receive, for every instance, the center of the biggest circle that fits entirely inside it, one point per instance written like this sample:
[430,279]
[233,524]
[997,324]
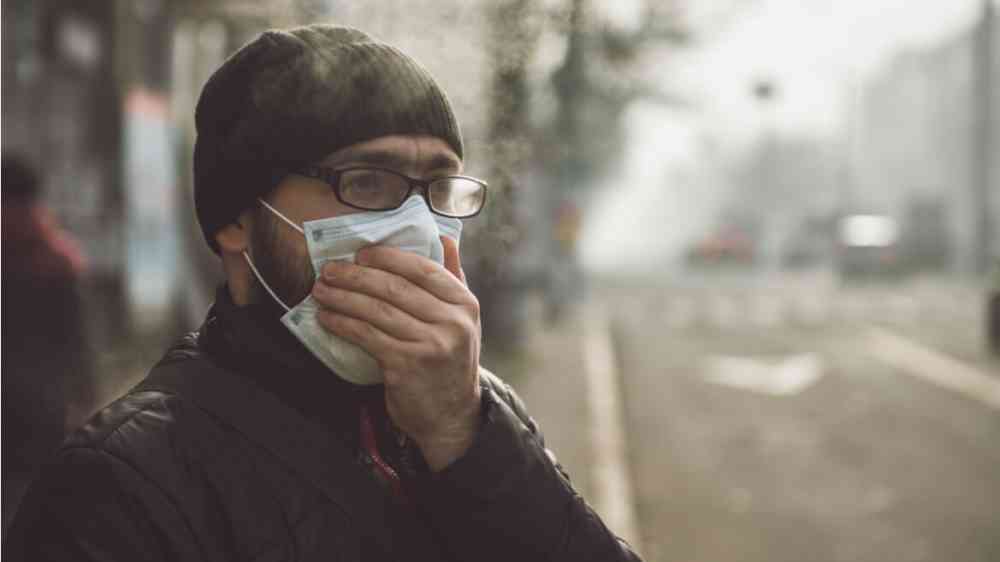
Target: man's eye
[364,181]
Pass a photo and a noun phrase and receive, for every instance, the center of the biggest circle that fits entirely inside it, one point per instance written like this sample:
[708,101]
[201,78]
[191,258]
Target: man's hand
[421,323]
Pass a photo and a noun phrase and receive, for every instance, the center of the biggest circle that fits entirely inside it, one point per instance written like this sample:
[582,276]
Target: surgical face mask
[412,228]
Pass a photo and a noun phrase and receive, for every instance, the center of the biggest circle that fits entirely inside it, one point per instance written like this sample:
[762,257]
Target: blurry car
[993,310]
[810,244]
[729,246]
[868,247]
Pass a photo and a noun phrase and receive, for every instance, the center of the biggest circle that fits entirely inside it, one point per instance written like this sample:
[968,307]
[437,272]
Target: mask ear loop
[256,273]
[282,217]
[264,283]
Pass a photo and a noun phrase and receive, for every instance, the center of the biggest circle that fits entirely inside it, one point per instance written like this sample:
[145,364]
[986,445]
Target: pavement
[567,374]
[549,373]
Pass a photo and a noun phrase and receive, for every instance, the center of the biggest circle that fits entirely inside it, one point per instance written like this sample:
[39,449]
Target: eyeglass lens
[456,197]
[383,190]
[373,189]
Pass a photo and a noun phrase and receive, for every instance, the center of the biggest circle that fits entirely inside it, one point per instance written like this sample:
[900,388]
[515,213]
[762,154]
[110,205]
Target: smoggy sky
[816,53]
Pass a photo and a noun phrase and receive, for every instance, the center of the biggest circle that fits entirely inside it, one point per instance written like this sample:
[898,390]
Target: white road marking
[782,377]
[613,494]
[923,362]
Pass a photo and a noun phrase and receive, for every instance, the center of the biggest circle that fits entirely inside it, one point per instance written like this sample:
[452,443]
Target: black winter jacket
[240,446]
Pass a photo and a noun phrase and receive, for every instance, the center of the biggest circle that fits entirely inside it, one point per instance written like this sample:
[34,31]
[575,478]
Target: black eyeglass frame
[331,176]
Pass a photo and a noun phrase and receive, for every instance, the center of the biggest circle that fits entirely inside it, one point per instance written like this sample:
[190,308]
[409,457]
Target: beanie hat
[289,98]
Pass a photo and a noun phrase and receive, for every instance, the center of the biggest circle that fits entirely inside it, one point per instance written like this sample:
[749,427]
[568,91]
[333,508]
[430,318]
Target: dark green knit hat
[289,98]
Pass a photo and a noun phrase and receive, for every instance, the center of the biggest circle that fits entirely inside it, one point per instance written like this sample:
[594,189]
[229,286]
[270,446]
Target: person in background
[46,360]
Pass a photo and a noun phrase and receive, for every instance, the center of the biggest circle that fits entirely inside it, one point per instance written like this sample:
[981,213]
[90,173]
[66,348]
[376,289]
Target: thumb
[452,259]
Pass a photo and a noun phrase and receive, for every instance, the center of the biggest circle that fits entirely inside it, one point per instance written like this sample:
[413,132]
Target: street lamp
[765,91]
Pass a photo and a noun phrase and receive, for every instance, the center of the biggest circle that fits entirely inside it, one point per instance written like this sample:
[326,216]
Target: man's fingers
[380,345]
[383,315]
[421,271]
[388,287]
[431,276]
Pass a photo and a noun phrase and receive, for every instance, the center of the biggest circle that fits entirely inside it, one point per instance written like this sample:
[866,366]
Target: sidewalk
[549,375]
[568,377]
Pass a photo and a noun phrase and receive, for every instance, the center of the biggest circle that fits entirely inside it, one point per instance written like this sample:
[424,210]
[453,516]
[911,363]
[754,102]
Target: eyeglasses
[380,189]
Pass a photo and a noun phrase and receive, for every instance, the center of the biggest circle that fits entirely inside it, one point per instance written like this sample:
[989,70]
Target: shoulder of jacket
[503,391]
[138,406]
[145,422]
[111,418]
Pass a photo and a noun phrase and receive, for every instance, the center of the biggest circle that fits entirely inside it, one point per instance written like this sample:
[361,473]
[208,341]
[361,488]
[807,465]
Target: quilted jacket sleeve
[507,498]
[90,506]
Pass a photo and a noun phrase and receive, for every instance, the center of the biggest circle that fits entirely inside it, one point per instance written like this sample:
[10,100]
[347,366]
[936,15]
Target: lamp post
[765,92]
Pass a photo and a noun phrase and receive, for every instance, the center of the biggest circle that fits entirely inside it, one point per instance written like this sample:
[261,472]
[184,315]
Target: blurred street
[781,419]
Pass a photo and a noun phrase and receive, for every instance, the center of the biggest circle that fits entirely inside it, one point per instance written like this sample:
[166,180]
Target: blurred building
[99,96]
[918,144]
[62,109]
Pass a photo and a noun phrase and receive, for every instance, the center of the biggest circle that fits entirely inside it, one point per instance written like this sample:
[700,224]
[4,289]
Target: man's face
[280,252]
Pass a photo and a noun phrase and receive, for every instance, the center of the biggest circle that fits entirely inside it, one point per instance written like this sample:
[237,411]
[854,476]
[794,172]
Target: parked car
[810,245]
[726,247]
[868,247]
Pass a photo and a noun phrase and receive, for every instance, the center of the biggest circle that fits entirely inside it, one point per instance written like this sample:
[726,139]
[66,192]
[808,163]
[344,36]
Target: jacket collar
[251,342]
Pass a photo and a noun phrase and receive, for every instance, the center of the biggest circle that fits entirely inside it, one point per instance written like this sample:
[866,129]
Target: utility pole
[571,88]
[984,143]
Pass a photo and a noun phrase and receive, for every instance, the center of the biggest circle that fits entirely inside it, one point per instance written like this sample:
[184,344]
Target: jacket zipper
[370,445]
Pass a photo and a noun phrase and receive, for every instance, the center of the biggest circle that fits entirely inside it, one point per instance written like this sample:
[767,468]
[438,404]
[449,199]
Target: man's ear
[234,238]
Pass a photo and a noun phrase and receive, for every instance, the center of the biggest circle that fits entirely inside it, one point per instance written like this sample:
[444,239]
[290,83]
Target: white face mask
[412,227]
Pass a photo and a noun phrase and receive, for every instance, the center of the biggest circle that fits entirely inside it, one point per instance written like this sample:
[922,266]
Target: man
[332,405]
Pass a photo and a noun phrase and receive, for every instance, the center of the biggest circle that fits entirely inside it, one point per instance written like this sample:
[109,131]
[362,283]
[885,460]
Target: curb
[612,488]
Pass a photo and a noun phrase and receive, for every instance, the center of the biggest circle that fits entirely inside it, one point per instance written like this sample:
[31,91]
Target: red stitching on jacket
[370,445]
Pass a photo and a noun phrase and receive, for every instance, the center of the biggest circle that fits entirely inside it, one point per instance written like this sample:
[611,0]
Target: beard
[289,273]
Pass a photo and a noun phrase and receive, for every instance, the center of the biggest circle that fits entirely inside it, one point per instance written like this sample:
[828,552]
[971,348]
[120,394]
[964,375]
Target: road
[771,420]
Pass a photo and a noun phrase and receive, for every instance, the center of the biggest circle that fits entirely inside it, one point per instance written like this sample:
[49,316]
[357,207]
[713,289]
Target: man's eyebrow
[393,160]
[444,161]
[385,158]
